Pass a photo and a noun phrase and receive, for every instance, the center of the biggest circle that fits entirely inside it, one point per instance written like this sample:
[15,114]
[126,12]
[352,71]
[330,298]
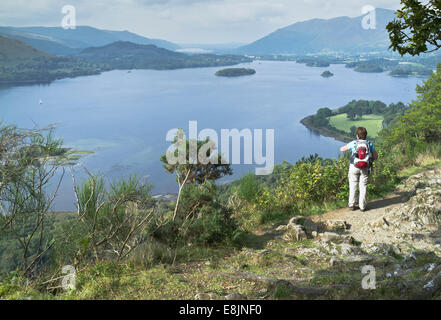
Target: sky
[185,21]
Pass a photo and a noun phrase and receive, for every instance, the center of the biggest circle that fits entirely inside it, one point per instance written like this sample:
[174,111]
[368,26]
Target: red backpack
[362,156]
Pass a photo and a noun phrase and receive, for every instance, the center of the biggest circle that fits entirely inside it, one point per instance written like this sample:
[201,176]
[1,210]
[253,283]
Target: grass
[373,123]
[206,270]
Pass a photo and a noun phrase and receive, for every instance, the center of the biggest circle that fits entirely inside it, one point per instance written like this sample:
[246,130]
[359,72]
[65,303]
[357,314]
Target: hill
[21,63]
[342,34]
[13,50]
[128,55]
[61,41]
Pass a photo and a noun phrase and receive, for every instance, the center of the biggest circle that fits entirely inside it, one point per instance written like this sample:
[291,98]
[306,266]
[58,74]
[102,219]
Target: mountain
[21,63]
[342,34]
[128,55]
[12,50]
[61,41]
[124,51]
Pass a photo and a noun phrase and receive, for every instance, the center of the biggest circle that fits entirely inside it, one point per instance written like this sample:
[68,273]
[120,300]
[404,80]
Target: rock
[358,258]
[213,296]
[329,236]
[381,248]
[235,296]
[295,220]
[282,228]
[334,261]
[295,233]
[202,296]
[347,249]
[310,226]
[332,236]
[377,223]
[337,225]
[310,251]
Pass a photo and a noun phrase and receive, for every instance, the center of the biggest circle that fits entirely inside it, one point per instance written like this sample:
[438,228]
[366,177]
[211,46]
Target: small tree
[324,112]
[359,113]
[208,167]
[351,114]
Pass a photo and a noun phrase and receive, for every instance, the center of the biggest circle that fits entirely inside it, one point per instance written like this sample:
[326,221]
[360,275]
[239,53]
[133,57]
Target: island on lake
[327,74]
[235,72]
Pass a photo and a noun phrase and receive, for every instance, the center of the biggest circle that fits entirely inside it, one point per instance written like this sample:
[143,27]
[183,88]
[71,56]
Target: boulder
[295,232]
[336,225]
[235,296]
[202,296]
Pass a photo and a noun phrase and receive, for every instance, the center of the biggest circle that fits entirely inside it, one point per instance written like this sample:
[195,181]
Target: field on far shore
[373,123]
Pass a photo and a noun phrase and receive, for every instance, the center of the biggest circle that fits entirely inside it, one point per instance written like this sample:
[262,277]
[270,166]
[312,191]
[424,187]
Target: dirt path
[322,257]
[359,222]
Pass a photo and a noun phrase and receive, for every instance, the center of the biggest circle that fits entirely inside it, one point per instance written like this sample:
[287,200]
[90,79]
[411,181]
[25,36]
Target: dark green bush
[201,219]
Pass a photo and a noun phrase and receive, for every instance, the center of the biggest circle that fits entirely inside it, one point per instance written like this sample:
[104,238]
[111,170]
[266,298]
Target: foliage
[31,169]
[332,123]
[417,26]
[235,72]
[109,222]
[194,162]
[369,68]
[305,183]
[314,62]
[249,187]
[376,65]
[422,122]
[327,74]
[201,220]
[405,70]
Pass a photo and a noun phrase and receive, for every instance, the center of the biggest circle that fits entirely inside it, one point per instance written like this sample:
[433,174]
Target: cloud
[185,21]
[173,2]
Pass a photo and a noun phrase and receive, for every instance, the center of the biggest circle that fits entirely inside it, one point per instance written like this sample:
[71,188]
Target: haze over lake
[124,117]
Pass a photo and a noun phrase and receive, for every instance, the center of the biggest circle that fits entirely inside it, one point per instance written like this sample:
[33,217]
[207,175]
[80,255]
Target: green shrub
[249,187]
[201,219]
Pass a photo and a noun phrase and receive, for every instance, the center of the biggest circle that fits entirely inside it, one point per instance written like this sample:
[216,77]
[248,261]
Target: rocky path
[408,218]
[323,257]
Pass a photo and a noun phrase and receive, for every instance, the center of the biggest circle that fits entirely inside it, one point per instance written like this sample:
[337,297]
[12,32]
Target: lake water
[124,117]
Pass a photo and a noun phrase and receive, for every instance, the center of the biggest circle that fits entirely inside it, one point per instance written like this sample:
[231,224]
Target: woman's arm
[344,149]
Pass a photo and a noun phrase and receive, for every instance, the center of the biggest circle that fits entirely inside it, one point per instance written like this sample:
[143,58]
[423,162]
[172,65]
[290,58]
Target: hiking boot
[352,208]
[363,210]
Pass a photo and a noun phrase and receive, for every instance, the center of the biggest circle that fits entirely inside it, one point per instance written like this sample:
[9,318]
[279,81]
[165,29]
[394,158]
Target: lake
[124,117]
